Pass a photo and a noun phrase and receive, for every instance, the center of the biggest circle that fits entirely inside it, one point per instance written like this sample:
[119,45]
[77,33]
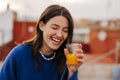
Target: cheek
[65,36]
[47,33]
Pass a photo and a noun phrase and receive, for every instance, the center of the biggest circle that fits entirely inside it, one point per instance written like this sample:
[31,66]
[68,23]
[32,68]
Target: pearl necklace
[48,59]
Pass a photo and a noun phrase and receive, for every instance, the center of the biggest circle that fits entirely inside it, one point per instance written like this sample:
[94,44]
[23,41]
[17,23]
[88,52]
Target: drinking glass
[71,57]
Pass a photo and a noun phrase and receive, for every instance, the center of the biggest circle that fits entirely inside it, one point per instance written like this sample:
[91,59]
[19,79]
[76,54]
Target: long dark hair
[36,42]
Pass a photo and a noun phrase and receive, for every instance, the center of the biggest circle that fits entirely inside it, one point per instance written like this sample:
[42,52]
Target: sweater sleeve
[8,68]
[65,75]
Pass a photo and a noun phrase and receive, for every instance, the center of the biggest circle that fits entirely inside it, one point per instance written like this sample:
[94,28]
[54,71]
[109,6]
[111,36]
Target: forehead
[59,20]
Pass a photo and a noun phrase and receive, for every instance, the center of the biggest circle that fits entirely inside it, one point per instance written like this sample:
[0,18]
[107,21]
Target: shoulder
[22,47]
[17,56]
[20,50]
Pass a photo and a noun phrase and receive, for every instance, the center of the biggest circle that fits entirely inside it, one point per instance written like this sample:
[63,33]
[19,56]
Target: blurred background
[97,28]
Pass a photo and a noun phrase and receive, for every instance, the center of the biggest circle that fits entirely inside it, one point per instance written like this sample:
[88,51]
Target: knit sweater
[19,65]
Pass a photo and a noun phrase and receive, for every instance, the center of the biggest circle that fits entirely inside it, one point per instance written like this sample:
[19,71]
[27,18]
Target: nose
[59,33]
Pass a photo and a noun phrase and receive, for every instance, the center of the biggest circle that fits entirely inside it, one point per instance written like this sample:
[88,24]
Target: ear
[41,25]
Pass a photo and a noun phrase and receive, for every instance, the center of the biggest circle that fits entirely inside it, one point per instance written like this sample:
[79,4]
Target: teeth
[56,40]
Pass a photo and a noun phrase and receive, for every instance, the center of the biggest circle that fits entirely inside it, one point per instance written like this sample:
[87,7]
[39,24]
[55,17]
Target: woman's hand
[78,52]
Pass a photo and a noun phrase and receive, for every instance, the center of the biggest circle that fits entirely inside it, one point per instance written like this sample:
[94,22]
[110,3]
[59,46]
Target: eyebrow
[56,25]
[59,26]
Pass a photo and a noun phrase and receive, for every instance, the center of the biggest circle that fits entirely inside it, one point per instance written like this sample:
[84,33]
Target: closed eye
[54,26]
[65,29]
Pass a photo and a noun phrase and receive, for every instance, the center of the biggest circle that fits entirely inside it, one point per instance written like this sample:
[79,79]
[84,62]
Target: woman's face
[55,32]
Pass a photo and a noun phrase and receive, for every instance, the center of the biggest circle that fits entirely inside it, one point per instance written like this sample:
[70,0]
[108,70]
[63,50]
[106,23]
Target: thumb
[66,51]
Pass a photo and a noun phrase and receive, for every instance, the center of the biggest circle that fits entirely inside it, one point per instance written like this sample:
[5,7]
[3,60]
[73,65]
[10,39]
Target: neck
[46,52]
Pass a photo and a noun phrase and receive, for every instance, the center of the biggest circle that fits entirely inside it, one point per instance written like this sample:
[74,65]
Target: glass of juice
[71,57]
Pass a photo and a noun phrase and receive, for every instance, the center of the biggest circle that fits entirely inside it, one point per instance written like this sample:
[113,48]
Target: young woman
[43,57]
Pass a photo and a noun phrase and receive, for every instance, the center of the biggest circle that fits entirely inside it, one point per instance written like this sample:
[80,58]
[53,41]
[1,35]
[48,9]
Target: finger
[80,55]
[72,68]
[80,45]
[78,51]
[80,60]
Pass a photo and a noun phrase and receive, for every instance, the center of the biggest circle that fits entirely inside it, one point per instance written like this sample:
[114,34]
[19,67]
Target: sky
[88,9]
[30,10]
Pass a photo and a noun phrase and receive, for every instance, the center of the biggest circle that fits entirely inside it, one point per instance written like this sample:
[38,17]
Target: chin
[55,47]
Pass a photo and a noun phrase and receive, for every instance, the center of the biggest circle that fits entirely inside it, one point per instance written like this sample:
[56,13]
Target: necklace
[48,59]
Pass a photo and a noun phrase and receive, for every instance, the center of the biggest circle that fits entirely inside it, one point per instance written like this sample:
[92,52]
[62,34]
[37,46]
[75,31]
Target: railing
[91,71]
[116,50]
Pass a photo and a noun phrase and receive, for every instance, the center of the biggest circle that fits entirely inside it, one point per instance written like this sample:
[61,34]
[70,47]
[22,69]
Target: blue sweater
[19,65]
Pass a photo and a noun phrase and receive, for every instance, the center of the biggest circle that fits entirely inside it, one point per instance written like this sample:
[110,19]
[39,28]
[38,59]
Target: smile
[56,41]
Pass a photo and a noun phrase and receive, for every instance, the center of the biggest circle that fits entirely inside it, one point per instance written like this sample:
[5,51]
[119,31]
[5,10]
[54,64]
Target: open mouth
[56,41]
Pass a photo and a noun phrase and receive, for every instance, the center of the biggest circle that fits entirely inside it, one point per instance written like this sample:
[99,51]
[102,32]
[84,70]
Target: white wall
[6,27]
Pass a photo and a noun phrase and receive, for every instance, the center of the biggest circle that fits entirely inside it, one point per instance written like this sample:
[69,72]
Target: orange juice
[71,59]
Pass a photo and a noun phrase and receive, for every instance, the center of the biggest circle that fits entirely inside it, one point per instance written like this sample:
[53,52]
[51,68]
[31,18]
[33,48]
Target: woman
[43,58]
